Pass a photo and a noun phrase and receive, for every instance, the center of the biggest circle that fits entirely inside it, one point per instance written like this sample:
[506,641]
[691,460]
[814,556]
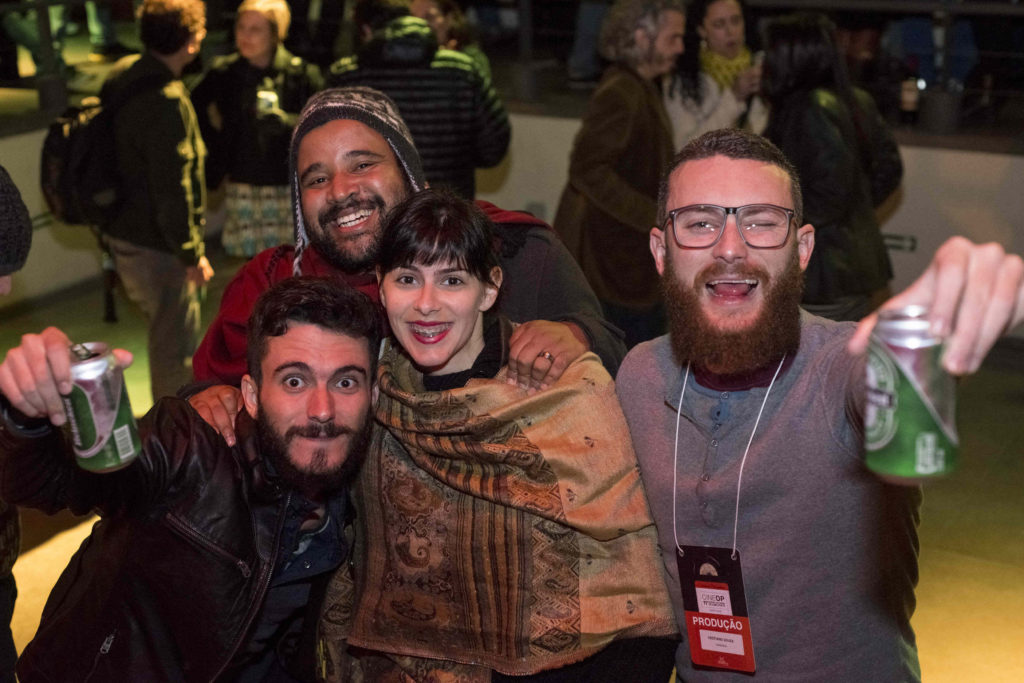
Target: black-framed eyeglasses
[699,226]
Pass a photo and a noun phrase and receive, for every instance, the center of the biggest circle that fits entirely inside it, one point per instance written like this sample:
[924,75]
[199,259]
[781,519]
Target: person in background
[22,28]
[453,31]
[455,114]
[99,16]
[846,158]
[205,555]
[716,80]
[748,389]
[584,62]
[15,231]
[15,241]
[156,236]
[571,590]
[623,146]
[247,104]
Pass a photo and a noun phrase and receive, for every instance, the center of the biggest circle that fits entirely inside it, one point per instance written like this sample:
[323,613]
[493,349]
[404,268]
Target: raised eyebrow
[293,365]
[350,369]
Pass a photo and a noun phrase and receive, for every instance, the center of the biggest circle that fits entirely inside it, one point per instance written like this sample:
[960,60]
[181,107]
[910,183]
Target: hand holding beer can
[910,412]
[104,434]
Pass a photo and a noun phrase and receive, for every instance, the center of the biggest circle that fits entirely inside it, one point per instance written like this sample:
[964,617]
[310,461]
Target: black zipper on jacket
[200,540]
[257,602]
[104,649]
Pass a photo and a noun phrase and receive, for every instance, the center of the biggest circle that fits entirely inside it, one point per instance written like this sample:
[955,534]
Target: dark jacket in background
[15,226]
[177,568]
[844,173]
[456,118]
[160,159]
[249,147]
[609,205]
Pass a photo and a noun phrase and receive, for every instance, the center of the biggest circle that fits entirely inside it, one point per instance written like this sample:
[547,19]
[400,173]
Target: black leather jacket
[176,569]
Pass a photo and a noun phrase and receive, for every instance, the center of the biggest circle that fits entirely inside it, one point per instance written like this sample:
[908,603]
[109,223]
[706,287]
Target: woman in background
[717,79]
[247,104]
[453,31]
[847,160]
[501,528]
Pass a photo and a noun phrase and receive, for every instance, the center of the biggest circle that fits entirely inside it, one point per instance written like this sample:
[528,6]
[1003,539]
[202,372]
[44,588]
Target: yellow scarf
[723,69]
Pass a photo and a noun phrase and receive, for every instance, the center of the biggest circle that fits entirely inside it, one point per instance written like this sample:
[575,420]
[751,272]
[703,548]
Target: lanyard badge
[715,605]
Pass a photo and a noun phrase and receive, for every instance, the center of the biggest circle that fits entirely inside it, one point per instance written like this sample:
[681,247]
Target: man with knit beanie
[352,159]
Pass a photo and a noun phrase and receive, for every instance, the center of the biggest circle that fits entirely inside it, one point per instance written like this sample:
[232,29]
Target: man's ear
[805,244]
[641,40]
[658,249]
[250,395]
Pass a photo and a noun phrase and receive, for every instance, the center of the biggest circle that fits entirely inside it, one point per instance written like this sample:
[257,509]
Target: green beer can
[103,430]
[910,413]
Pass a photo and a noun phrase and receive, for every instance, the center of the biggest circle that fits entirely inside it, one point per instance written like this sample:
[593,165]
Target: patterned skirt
[256,217]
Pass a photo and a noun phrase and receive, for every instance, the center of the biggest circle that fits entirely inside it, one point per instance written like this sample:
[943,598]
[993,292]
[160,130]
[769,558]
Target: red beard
[775,331]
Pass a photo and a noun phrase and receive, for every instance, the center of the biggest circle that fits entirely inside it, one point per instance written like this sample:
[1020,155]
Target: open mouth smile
[731,289]
[429,333]
[350,220]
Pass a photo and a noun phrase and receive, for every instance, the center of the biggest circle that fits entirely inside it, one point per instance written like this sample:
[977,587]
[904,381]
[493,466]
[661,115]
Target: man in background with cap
[156,235]
[352,159]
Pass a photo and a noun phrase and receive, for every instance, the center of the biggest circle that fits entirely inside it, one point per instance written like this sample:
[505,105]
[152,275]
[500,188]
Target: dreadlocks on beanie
[370,107]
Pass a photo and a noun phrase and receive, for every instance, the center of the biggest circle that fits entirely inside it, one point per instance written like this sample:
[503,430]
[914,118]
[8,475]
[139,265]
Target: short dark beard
[315,482]
[323,242]
[775,332]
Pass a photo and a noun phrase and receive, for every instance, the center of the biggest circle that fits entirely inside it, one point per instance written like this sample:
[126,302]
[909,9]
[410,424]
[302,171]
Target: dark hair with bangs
[437,226]
[332,305]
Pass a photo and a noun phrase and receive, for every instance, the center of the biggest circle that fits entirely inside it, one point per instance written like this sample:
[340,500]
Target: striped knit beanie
[15,226]
[369,107]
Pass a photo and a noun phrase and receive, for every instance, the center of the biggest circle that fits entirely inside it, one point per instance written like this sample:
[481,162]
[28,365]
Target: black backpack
[78,168]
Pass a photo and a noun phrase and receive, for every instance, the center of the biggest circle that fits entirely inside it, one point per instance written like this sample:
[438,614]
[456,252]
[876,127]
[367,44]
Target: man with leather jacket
[205,555]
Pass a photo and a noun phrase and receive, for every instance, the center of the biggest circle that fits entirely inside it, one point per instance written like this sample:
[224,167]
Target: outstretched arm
[974,293]
[35,374]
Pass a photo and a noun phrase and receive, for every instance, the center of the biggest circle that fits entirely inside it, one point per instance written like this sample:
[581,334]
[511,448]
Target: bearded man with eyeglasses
[785,556]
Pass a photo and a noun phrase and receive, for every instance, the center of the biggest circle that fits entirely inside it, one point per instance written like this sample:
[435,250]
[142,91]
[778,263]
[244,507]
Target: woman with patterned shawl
[501,533]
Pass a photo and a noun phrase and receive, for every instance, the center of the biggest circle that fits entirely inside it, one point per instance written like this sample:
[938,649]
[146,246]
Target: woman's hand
[541,350]
[747,83]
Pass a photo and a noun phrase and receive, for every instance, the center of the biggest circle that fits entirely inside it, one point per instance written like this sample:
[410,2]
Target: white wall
[945,192]
[61,256]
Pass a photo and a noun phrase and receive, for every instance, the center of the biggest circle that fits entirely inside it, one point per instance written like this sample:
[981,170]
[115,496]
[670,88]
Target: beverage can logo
[880,421]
